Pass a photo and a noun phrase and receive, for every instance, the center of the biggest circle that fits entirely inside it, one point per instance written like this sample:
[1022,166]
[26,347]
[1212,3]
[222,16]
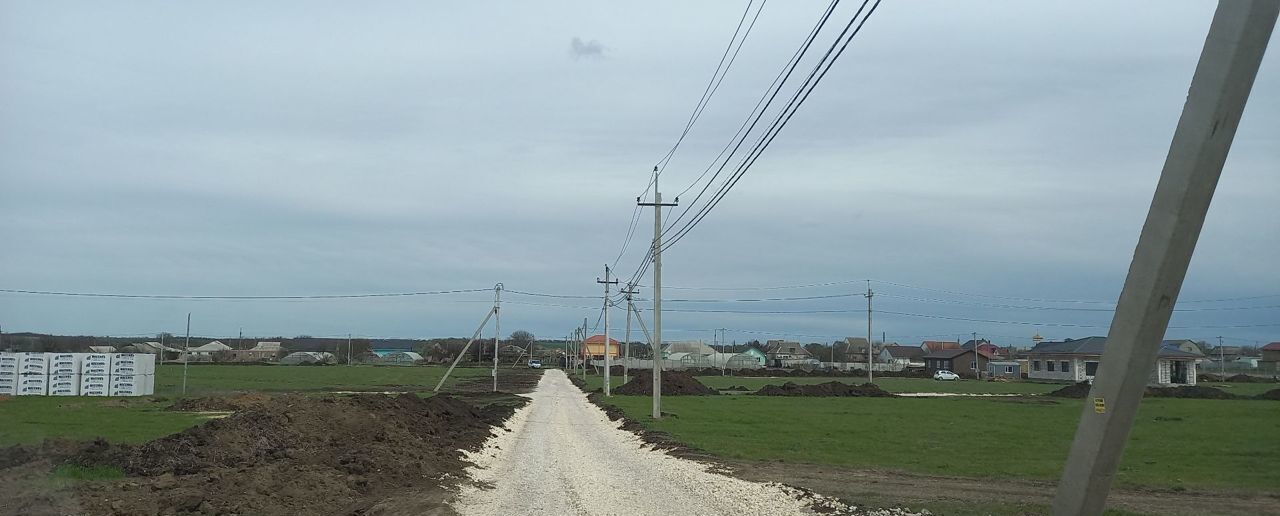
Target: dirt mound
[295,454]
[1075,390]
[674,383]
[219,403]
[828,389]
[1190,392]
[1208,377]
[1246,378]
[1081,390]
[736,388]
[1273,394]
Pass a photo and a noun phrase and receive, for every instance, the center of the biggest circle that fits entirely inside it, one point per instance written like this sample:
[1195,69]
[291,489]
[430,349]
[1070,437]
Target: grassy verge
[888,384]
[31,419]
[1175,444]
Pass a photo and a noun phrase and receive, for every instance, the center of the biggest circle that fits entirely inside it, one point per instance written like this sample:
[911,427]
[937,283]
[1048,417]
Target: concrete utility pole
[608,350]
[186,354]
[497,331]
[869,295]
[1222,362]
[586,350]
[626,338]
[348,349]
[976,374]
[657,291]
[1219,89]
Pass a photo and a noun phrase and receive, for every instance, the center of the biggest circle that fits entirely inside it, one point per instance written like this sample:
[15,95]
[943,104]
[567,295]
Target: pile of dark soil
[1081,390]
[1273,394]
[674,383]
[295,454]
[736,388]
[1189,392]
[220,403]
[1075,390]
[1208,377]
[1245,378]
[828,389]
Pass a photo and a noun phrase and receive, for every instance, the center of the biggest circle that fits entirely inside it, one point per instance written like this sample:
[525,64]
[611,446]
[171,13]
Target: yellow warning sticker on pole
[1100,405]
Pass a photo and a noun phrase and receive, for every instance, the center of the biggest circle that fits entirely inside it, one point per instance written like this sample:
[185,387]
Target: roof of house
[212,346]
[935,345]
[787,347]
[267,346]
[1094,346]
[102,349]
[904,351]
[599,340]
[946,354]
[1274,346]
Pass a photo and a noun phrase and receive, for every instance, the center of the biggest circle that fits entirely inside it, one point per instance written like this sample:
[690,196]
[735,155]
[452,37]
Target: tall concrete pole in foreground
[186,354]
[1219,89]
[657,292]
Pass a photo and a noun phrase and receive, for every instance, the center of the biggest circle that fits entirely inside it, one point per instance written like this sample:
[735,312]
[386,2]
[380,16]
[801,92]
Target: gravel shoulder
[561,454]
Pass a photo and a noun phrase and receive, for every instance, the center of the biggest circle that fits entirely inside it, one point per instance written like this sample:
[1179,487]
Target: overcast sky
[1001,154]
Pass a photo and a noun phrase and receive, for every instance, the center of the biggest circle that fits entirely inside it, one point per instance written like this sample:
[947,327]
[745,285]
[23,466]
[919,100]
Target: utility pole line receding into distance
[186,354]
[497,331]
[657,291]
[608,349]
[626,338]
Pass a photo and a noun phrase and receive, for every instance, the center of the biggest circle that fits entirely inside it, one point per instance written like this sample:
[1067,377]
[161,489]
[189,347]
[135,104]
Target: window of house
[1035,365]
[1048,364]
[1066,366]
[1008,369]
[1090,368]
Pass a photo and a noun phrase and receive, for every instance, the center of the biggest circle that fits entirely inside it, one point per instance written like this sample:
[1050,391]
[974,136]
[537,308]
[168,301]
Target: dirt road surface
[562,455]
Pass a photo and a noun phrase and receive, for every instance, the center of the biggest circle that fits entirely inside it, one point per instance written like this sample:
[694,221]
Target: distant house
[594,347]
[1005,368]
[756,358]
[1270,358]
[161,351]
[960,361]
[929,346]
[307,357]
[261,352]
[205,352]
[1077,360]
[1226,354]
[102,349]
[984,346]
[903,355]
[789,354]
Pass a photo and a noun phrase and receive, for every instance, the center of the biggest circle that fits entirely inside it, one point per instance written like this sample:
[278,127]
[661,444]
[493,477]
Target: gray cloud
[580,49]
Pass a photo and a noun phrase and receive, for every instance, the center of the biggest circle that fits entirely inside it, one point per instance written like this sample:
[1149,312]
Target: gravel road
[562,455]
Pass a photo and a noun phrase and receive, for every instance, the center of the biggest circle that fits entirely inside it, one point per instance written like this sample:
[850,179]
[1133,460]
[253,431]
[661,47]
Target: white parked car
[535,364]
[945,375]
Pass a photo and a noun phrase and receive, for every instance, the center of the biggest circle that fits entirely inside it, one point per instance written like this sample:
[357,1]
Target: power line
[757,113]
[713,84]
[168,296]
[797,99]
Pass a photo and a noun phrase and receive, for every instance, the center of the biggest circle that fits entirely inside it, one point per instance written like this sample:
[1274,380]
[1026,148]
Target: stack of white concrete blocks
[77,374]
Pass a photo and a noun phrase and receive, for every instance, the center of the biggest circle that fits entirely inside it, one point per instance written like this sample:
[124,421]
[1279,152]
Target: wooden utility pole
[1219,89]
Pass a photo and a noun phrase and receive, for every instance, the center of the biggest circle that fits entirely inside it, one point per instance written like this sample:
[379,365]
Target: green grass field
[901,385]
[1175,444]
[888,384]
[30,419]
[207,379]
